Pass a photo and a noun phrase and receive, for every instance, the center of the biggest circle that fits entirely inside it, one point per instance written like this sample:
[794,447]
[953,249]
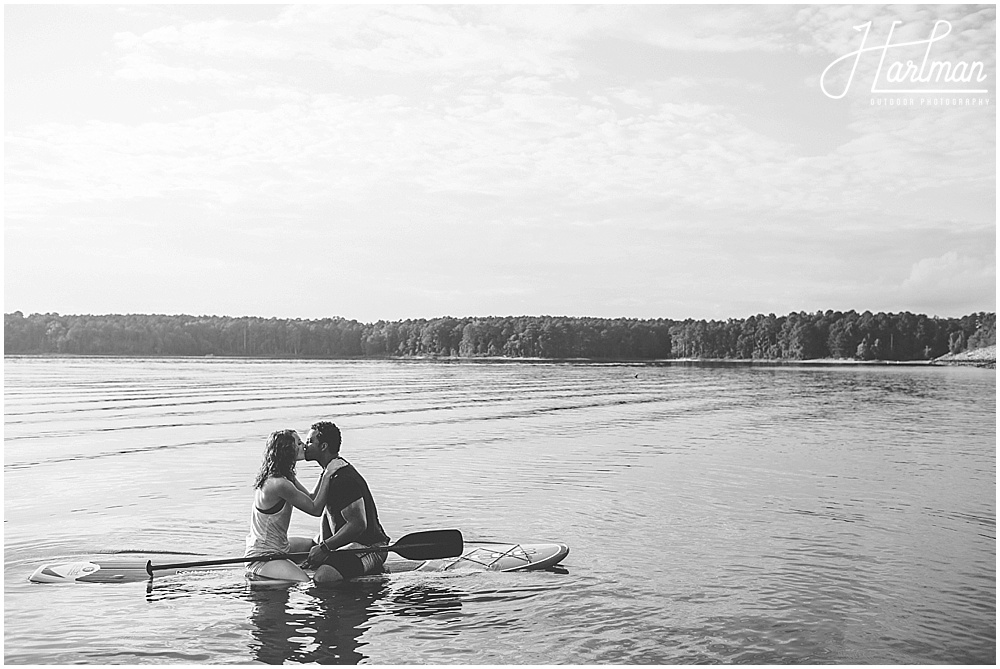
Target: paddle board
[478,557]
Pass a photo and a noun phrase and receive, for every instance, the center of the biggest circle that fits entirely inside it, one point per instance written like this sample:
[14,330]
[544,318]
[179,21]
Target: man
[350,519]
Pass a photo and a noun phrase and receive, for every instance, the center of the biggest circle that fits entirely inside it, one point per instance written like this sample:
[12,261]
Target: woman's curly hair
[280,455]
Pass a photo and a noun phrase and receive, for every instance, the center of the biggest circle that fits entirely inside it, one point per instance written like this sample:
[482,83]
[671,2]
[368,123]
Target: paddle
[430,545]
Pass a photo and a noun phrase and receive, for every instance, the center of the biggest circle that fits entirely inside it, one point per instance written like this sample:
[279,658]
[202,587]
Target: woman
[276,492]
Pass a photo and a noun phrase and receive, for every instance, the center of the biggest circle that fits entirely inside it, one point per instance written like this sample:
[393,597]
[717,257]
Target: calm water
[716,514]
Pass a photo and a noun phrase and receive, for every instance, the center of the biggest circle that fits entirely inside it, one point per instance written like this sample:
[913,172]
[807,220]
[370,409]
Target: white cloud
[948,273]
[830,28]
[937,284]
[136,66]
[511,142]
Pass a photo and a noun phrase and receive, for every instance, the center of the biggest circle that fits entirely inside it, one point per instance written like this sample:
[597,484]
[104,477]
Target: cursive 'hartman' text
[926,76]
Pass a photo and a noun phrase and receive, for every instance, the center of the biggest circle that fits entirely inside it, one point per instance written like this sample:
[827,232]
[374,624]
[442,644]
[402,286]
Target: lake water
[715,514]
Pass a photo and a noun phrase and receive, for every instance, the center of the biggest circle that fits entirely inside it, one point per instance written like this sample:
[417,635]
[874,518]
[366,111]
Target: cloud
[141,67]
[496,72]
[344,39]
[939,283]
[520,140]
[829,29]
[948,272]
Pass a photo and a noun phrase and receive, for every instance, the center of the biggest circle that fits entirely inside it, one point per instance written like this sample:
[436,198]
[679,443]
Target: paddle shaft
[150,567]
[431,544]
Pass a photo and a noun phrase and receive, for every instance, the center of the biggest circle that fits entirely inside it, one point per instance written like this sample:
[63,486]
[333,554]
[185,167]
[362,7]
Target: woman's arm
[296,495]
[332,467]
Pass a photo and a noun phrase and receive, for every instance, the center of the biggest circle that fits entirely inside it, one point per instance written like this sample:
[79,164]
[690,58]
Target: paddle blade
[431,545]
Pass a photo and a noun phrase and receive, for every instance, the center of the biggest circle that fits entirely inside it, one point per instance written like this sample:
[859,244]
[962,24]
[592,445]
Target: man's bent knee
[327,575]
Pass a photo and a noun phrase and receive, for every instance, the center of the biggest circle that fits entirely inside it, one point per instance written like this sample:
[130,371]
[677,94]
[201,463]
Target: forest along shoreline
[830,337]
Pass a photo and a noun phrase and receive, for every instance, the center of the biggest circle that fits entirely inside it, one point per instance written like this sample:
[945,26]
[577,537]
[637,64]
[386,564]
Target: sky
[418,161]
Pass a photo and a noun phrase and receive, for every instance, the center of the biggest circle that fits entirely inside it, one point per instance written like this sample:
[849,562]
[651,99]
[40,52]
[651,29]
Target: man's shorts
[351,565]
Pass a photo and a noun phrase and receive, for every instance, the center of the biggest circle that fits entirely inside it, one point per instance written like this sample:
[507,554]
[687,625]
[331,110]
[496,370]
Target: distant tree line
[797,336]
[833,334]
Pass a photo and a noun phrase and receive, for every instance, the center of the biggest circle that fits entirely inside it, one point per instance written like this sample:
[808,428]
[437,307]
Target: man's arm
[355,524]
[354,527]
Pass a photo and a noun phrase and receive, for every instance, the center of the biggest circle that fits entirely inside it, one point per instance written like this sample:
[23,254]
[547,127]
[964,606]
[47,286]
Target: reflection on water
[324,628]
[724,514]
[305,623]
[309,624]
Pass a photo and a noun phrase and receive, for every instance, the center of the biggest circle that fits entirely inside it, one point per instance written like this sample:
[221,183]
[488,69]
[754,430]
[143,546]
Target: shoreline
[984,358]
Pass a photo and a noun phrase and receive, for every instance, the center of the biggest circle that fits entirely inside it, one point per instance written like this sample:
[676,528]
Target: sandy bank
[981,357]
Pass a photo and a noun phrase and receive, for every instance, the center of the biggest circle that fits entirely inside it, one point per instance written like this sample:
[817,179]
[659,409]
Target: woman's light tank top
[269,530]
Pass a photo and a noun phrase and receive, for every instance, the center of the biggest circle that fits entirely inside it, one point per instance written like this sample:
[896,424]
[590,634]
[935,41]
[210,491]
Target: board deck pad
[483,557]
[493,557]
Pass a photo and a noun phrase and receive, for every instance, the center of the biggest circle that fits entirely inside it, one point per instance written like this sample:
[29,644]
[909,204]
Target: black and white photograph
[499,334]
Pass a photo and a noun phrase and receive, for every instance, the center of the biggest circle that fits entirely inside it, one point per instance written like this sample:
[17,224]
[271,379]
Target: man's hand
[317,556]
